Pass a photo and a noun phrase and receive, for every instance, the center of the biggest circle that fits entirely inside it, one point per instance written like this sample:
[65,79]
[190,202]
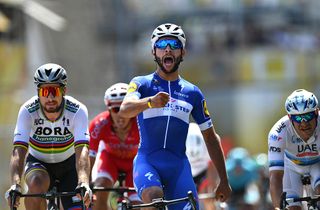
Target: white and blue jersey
[161,159]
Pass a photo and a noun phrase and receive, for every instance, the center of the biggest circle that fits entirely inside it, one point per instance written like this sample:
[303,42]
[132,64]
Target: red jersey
[101,130]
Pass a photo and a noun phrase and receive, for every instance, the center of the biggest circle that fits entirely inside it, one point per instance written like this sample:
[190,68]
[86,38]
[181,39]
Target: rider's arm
[276,146]
[276,187]
[213,144]
[16,164]
[81,136]
[132,106]
[20,143]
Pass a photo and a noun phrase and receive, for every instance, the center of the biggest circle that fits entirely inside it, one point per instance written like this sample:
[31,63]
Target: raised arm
[214,147]
[132,106]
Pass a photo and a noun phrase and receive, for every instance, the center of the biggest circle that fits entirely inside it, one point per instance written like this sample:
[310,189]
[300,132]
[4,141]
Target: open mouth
[168,61]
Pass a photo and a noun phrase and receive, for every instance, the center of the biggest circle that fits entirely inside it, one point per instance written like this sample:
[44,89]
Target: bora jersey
[48,141]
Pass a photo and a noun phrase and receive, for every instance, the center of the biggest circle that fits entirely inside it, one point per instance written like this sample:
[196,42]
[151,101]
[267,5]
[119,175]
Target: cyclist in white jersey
[294,143]
[52,128]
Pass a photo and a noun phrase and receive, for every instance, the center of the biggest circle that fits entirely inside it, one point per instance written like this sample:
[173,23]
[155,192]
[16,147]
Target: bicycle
[161,204]
[121,191]
[53,196]
[310,199]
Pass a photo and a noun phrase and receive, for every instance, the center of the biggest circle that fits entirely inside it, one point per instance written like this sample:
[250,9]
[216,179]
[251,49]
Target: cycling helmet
[238,153]
[50,73]
[115,94]
[168,29]
[301,101]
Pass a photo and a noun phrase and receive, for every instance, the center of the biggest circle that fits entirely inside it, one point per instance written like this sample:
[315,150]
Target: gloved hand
[16,190]
[84,193]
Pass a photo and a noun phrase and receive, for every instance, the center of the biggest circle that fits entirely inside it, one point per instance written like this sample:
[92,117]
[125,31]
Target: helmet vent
[57,72]
[48,71]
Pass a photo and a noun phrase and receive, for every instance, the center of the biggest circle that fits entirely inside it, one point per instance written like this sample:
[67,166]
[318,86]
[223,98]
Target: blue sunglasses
[173,43]
[303,117]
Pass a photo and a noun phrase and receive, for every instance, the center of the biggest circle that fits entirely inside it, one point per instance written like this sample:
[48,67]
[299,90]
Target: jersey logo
[132,87]
[205,109]
[149,175]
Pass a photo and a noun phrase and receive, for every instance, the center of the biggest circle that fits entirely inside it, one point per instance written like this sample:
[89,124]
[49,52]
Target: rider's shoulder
[73,105]
[282,125]
[32,104]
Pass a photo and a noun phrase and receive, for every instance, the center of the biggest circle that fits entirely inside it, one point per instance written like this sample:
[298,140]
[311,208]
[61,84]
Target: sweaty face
[305,127]
[51,97]
[168,54]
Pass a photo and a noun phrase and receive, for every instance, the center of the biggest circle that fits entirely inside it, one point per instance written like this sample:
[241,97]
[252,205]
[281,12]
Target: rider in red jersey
[113,145]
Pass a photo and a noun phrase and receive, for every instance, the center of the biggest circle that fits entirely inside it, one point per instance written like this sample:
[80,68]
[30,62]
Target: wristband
[149,103]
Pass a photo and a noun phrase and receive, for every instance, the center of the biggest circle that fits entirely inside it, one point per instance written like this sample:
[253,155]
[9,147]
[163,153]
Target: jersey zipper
[168,121]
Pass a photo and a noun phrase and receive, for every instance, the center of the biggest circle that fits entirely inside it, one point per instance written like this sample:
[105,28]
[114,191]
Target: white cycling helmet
[168,29]
[196,150]
[50,73]
[300,102]
[115,94]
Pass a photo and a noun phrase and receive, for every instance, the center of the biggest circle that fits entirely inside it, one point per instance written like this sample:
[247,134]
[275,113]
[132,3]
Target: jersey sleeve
[276,144]
[133,89]
[94,138]
[81,130]
[22,129]
[200,112]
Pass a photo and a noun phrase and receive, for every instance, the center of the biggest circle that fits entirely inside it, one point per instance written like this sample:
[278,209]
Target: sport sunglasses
[303,117]
[46,91]
[173,43]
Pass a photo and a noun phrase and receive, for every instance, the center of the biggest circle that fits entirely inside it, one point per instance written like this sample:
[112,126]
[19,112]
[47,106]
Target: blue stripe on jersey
[303,161]
[274,163]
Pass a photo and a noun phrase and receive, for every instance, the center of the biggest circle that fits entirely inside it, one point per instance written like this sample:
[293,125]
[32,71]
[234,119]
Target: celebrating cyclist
[163,102]
[52,135]
[117,139]
[294,148]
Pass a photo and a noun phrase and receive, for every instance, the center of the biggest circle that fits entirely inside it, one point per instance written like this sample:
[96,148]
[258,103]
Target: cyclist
[52,128]
[118,139]
[294,148]
[164,102]
[243,177]
[204,173]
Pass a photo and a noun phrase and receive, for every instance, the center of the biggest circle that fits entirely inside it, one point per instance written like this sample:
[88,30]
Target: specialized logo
[149,175]
[205,109]
[132,87]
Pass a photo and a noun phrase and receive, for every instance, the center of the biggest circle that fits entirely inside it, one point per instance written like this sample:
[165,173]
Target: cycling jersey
[101,130]
[286,145]
[288,152]
[161,159]
[52,142]
[167,127]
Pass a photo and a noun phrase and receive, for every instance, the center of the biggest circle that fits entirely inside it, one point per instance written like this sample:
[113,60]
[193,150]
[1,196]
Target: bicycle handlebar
[160,203]
[118,189]
[286,201]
